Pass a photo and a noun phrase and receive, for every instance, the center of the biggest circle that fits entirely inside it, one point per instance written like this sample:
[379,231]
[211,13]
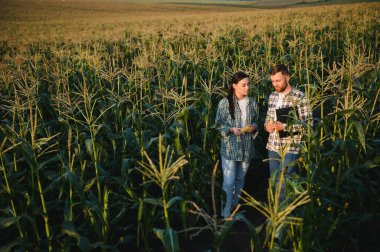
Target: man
[288,112]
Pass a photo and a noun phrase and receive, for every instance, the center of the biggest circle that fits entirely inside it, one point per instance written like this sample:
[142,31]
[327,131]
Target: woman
[236,121]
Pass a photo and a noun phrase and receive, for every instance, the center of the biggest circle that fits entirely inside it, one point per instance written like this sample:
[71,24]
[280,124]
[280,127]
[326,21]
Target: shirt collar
[236,99]
[290,92]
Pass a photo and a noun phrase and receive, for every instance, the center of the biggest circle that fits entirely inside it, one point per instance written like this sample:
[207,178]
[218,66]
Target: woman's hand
[235,131]
[248,129]
[252,129]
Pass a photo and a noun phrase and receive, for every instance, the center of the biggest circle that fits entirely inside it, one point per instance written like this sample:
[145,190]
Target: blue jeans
[276,164]
[233,182]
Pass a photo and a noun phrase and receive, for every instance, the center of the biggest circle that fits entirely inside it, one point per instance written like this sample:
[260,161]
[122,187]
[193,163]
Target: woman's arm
[221,119]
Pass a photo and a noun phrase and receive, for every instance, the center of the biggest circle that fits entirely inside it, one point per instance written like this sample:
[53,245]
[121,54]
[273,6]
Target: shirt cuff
[225,131]
[256,132]
[285,127]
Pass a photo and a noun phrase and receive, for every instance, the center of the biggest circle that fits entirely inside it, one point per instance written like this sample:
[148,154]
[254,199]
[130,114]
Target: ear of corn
[245,129]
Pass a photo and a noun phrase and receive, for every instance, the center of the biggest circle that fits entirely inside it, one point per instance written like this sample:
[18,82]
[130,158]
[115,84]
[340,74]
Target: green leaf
[294,185]
[377,159]
[361,135]
[126,239]
[69,229]
[83,243]
[8,221]
[343,112]
[183,113]
[50,161]
[89,184]
[74,181]
[223,232]
[126,164]
[66,209]
[159,233]
[9,246]
[193,148]
[103,125]
[254,233]
[102,246]
[369,164]
[53,184]
[173,200]
[89,147]
[168,238]
[171,240]
[153,202]
[140,212]
[274,249]
[151,141]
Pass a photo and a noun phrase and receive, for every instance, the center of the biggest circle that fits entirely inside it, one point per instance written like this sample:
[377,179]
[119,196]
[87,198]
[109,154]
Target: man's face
[280,82]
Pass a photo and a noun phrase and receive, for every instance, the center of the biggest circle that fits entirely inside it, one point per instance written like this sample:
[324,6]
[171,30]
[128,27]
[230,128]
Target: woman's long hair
[230,97]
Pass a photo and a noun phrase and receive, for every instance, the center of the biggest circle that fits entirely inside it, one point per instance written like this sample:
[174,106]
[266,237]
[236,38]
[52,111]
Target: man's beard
[284,88]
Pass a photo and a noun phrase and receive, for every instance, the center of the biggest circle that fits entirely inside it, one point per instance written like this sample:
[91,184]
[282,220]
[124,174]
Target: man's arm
[305,117]
[269,125]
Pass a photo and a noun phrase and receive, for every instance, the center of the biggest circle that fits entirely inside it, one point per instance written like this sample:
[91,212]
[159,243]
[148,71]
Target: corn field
[110,144]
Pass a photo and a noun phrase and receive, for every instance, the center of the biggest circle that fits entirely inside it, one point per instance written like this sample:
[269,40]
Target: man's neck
[287,90]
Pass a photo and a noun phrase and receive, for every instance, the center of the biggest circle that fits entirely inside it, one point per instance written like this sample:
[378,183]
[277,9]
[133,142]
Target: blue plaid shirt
[237,148]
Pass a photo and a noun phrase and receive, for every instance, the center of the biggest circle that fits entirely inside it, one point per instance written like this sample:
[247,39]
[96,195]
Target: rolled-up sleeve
[255,117]
[221,119]
[305,116]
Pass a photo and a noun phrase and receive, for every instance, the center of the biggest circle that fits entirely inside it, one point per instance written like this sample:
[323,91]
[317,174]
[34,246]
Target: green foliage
[82,165]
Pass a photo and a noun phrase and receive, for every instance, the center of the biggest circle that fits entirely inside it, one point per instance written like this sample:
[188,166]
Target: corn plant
[220,228]
[278,210]
[162,176]
[80,108]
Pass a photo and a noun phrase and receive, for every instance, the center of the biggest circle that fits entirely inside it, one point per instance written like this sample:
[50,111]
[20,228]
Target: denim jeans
[276,164]
[233,182]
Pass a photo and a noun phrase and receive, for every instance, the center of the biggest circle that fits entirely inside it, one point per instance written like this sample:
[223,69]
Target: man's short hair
[279,68]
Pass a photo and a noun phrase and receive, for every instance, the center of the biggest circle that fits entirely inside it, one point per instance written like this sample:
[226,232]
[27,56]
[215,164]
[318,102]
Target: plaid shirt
[237,148]
[290,144]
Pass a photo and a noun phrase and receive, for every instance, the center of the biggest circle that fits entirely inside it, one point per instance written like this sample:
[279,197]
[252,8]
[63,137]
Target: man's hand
[280,126]
[271,127]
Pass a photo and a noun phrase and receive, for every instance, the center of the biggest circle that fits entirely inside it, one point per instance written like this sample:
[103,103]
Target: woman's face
[241,88]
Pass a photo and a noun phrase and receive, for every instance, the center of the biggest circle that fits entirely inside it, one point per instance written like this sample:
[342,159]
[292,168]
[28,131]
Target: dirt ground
[239,238]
